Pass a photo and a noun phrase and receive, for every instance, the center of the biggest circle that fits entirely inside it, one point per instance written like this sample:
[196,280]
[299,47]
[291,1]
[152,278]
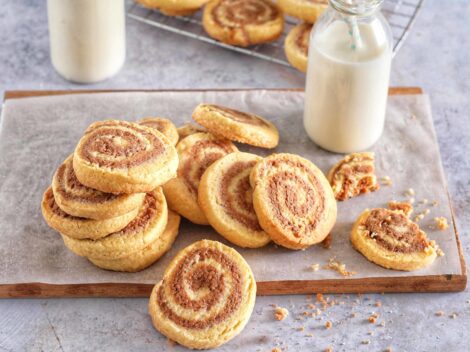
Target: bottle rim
[356,7]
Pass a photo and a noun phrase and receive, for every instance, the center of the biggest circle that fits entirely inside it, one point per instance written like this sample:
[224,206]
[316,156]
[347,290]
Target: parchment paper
[37,134]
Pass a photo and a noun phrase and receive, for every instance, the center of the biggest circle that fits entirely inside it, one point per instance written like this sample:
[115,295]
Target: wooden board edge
[431,283]
[17,94]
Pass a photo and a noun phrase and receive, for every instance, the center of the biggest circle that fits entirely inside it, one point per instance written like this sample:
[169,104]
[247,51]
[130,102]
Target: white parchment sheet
[37,134]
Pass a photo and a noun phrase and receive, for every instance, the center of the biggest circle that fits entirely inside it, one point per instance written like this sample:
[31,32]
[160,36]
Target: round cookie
[296,46]
[174,7]
[147,226]
[189,128]
[162,125]
[206,296]
[80,228]
[307,10]
[142,259]
[243,22]
[390,239]
[225,196]
[293,200]
[124,157]
[237,125]
[353,175]
[196,153]
[82,201]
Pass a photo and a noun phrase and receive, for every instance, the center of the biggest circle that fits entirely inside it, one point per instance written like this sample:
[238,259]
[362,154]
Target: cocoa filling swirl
[296,196]
[70,188]
[236,198]
[302,39]
[120,145]
[149,209]
[196,273]
[238,116]
[52,205]
[394,232]
[239,13]
[199,157]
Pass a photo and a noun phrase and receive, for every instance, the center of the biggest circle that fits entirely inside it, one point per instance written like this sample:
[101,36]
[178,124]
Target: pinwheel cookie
[142,231]
[307,10]
[353,175]
[296,46]
[206,296]
[196,153]
[187,129]
[124,157]
[243,22]
[141,259]
[225,196]
[80,228]
[293,200]
[174,7]
[165,126]
[237,125]
[82,201]
[390,239]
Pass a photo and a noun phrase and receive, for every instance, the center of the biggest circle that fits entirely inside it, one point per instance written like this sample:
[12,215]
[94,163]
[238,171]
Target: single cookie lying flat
[225,196]
[237,125]
[390,239]
[293,200]
[206,296]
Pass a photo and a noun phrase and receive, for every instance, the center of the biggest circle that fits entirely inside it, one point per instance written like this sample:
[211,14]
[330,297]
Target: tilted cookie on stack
[106,199]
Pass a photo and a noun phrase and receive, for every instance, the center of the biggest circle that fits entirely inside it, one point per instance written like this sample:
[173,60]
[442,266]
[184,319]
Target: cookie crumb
[372,319]
[328,324]
[378,304]
[435,203]
[276,349]
[424,201]
[280,313]
[410,192]
[329,349]
[441,223]
[389,349]
[339,267]
[315,267]
[300,328]
[365,342]
[386,180]
[453,315]
[439,313]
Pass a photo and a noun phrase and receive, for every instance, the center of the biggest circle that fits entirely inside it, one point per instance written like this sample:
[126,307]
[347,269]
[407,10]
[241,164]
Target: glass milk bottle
[87,38]
[348,73]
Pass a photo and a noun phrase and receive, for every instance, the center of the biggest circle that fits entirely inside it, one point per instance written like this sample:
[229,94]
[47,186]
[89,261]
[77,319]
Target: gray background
[434,57]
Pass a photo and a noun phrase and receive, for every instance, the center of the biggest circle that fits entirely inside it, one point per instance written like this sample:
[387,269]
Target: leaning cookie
[296,46]
[142,259]
[390,239]
[307,10]
[293,200]
[225,196]
[82,201]
[81,228]
[144,230]
[124,157]
[196,153]
[243,22]
[237,125]
[206,297]
[165,126]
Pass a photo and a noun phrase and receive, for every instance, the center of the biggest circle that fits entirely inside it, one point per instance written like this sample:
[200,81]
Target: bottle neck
[360,8]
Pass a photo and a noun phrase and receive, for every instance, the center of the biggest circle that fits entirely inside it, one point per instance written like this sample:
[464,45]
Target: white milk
[346,89]
[87,38]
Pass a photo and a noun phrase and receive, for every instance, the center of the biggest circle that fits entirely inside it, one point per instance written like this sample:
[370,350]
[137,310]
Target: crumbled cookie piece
[365,342]
[441,223]
[328,324]
[280,313]
[353,175]
[339,267]
[409,192]
[439,313]
[372,319]
[405,207]
[315,267]
[386,180]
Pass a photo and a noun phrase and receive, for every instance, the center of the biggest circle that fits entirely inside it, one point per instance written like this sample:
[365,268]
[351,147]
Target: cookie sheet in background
[39,133]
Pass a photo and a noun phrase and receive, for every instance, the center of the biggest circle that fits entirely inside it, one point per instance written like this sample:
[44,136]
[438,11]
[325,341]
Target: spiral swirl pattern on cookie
[353,175]
[120,144]
[394,231]
[236,115]
[206,296]
[239,13]
[303,38]
[199,156]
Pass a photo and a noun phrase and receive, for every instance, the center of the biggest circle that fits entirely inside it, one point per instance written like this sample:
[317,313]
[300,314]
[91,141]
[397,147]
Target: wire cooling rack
[399,13]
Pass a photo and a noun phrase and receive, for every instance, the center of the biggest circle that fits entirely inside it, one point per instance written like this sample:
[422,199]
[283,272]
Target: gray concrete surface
[435,57]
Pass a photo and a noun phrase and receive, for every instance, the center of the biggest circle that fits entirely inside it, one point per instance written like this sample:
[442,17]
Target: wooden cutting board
[429,283]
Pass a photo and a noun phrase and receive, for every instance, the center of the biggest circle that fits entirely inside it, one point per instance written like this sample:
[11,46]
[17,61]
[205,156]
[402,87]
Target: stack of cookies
[106,200]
